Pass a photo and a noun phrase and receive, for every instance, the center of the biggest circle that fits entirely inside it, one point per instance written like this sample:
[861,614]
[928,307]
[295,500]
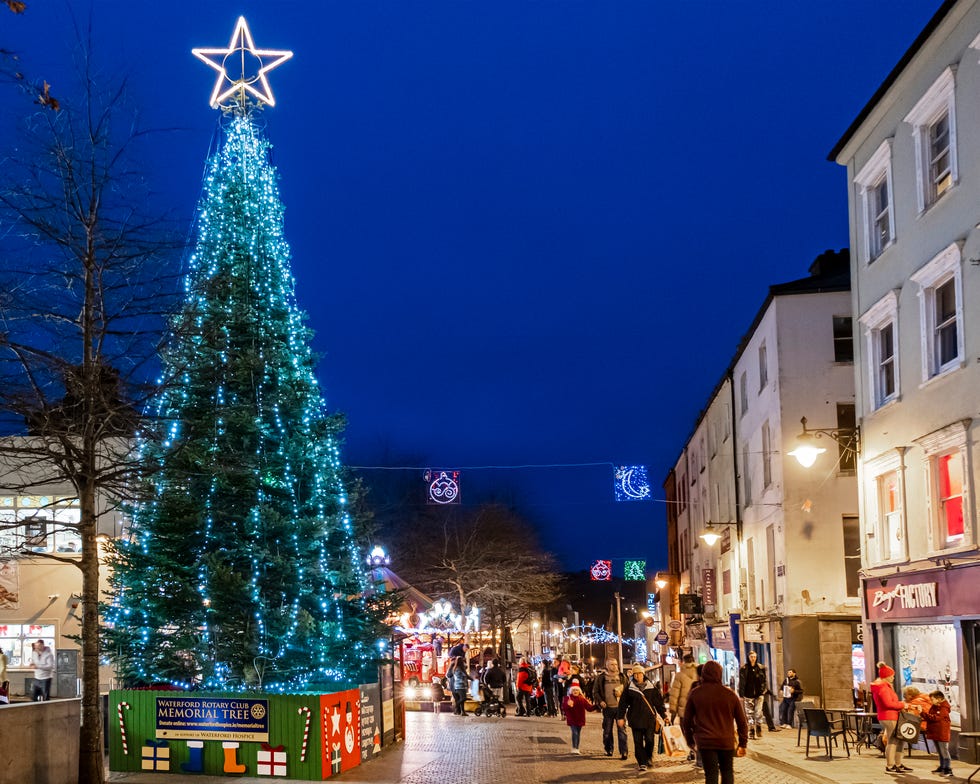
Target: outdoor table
[861,725]
[975,737]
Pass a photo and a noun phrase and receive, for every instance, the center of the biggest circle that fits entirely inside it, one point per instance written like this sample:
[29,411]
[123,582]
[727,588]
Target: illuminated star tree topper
[242,69]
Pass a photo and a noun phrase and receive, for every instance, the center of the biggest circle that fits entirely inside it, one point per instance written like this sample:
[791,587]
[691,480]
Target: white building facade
[782,579]
[913,167]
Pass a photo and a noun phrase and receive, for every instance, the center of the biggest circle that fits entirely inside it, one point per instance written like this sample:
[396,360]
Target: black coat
[752,681]
[636,710]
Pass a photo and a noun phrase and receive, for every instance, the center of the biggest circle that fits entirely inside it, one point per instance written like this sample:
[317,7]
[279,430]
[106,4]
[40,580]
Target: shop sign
[720,638]
[753,631]
[674,625]
[212,718]
[708,587]
[695,631]
[907,597]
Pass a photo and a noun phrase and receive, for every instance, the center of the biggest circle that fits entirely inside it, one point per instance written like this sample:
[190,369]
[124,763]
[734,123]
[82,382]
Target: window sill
[887,404]
[871,260]
[943,374]
[955,550]
[938,200]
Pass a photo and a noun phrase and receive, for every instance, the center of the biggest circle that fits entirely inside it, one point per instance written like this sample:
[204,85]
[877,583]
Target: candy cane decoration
[122,725]
[306,732]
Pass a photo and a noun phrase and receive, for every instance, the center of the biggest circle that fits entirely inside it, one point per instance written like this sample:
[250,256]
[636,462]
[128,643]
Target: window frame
[840,339]
[876,172]
[763,366]
[937,102]
[943,268]
[875,470]
[766,455]
[949,440]
[39,523]
[882,314]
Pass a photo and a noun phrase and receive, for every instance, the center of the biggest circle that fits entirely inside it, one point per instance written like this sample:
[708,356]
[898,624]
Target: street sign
[675,625]
[662,637]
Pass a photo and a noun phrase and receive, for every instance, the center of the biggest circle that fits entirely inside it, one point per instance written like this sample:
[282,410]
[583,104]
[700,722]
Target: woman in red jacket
[888,705]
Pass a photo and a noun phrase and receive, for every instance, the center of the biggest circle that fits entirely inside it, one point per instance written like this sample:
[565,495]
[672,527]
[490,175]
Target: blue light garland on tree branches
[242,572]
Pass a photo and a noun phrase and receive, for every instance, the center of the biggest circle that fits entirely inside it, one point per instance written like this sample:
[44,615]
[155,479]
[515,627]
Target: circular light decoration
[443,486]
[601,570]
[632,483]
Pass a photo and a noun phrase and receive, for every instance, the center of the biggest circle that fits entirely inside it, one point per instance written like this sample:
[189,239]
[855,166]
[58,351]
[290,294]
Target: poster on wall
[388,704]
[370,720]
[9,586]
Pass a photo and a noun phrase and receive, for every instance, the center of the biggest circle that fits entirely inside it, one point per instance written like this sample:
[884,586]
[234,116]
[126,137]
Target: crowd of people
[715,719]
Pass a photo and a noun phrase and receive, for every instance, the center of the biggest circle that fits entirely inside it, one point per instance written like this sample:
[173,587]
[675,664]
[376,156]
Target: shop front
[723,645]
[925,624]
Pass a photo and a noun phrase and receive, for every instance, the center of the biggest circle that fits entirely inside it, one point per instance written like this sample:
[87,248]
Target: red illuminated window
[951,496]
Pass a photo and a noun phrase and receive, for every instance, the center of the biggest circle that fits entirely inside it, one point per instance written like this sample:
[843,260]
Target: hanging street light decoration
[632,483]
[601,571]
[635,570]
[443,486]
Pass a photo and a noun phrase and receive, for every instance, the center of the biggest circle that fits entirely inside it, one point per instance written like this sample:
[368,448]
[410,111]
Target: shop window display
[927,658]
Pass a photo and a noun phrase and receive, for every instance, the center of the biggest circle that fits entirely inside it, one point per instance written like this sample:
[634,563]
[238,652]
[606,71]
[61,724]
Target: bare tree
[489,558]
[83,293]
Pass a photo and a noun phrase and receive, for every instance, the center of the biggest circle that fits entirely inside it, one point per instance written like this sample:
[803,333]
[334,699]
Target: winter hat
[884,671]
[638,668]
[576,689]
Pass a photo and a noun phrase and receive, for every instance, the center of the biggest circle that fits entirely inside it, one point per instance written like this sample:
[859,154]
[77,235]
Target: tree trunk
[91,757]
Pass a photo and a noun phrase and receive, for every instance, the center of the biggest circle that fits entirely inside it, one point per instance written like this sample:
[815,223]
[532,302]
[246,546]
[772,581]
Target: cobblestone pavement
[447,749]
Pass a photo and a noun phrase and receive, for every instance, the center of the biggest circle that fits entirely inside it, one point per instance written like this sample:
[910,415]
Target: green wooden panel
[286,728]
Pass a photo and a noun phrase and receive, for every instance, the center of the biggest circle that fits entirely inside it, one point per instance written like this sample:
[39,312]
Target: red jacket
[575,707]
[886,700]
[522,678]
[937,721]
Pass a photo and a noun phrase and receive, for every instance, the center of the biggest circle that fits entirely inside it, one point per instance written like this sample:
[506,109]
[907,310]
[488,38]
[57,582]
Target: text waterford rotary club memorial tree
[241,571]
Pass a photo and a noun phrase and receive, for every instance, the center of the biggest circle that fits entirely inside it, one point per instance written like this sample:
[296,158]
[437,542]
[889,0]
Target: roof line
[892,77]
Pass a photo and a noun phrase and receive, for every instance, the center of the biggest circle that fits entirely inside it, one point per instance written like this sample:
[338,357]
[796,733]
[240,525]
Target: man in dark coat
[752,687]
[791,690]
[711,714]
[642,704]
[606,689]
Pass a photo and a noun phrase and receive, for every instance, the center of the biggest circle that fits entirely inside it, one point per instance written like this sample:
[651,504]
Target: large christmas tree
[241,571]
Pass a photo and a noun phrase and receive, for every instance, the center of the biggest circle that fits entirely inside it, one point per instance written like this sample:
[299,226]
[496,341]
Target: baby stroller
[537,702]
[491,706]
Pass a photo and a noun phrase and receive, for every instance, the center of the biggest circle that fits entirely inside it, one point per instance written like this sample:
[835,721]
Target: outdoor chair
[801,707]
[819,725]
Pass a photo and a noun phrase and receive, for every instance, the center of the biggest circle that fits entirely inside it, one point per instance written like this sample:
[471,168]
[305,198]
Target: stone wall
[40,741]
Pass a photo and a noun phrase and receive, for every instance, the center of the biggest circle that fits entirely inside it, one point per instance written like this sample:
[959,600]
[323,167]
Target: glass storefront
[927,660]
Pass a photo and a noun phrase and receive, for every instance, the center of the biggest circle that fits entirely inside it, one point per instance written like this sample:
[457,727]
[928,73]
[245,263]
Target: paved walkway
[447,749]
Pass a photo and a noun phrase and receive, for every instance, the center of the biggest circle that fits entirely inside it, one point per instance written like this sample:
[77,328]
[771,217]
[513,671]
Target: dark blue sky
[525,232]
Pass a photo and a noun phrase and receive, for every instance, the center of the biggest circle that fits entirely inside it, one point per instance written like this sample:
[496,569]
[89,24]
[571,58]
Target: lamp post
[619,632]
[711,534]
[807,451]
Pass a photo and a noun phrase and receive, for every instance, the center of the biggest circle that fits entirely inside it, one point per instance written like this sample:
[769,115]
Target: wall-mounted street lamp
[711,534]
[807,451]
